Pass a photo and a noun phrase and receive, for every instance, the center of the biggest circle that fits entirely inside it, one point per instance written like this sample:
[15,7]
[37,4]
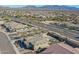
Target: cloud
[39,2]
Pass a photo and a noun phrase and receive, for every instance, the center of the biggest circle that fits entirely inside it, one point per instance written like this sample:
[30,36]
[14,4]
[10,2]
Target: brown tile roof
[56,49]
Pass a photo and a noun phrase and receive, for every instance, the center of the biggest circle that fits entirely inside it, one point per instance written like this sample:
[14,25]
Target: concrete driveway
[5,45]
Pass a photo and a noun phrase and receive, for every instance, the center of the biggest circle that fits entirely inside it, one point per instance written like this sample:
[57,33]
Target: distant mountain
[51,7]
[44,7]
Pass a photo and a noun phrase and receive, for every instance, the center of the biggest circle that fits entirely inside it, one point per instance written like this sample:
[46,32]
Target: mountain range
[44,7]
[50,7]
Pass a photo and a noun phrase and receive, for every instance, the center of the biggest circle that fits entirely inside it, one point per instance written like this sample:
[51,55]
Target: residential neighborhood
[39,30]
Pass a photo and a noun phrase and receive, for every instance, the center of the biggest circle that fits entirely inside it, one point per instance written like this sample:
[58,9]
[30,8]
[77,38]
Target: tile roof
[56,49]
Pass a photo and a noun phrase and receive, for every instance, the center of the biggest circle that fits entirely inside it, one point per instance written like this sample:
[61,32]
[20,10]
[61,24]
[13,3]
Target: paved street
[5,45]
[64,32]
